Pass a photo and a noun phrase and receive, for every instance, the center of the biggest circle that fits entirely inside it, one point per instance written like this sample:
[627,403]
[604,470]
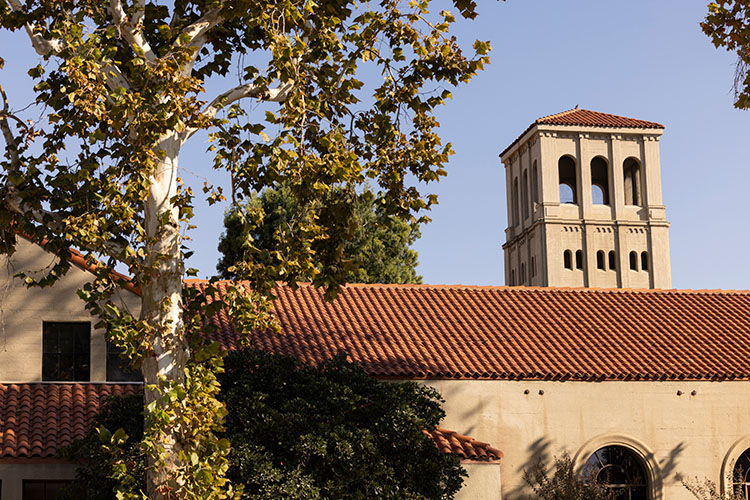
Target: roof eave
[586,129]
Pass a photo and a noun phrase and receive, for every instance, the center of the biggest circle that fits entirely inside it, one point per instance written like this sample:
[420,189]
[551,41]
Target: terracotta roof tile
[465,447]
[422,331]
[38,419]
[587,118]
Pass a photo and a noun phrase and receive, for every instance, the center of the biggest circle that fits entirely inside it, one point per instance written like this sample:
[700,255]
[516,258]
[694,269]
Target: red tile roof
[465,447]
[37,419]
[422,331]
[586,118]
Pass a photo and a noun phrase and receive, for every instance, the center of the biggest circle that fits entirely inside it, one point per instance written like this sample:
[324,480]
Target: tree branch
[194,36]
[10,140]
[114,77]
[42,46]
[278,94]
[132,30]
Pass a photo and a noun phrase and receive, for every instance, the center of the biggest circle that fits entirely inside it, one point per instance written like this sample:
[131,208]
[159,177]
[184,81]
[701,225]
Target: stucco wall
[13,475]
[483,482]
[23,311]
[678,436]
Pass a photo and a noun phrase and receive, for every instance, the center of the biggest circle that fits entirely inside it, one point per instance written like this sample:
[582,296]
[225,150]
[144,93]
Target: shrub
[302,433]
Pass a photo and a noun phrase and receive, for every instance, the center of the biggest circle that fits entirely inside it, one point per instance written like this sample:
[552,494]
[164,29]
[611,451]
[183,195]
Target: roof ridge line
[522,289]
[561,113]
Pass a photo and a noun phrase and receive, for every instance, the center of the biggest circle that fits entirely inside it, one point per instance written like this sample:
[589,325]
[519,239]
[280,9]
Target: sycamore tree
[122,87]
[728,25]
[378,251]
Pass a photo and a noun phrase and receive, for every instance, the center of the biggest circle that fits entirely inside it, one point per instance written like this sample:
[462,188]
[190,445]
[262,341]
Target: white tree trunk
[162,302]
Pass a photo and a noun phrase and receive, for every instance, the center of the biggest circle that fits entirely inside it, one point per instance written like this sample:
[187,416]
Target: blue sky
[643,59]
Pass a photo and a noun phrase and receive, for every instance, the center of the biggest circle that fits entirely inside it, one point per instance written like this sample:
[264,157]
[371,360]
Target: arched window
[523,274]
[579,259]
[525,194]
[619,471]
[644,261]
[612,260]
[534,183]
[631,169]
[568,259]
[532,271]
[512,277]
[566,169]
[600,260]
[514,208]
[599,181]
[741,475]
[634,261]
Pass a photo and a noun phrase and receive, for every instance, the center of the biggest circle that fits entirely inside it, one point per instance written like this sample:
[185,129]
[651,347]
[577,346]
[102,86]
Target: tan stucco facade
[542,227]
[482,483]
[24,310]
[678,429]
[14,473]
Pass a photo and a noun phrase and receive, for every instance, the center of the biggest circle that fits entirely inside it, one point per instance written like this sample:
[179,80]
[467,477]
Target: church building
[588,353]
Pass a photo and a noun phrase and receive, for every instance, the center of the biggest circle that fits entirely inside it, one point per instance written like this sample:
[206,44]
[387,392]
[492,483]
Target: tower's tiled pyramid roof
[587,118]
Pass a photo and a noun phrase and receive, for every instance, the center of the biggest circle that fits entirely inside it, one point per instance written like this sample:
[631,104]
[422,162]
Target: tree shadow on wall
[538,454]
[669,464]
[538,451]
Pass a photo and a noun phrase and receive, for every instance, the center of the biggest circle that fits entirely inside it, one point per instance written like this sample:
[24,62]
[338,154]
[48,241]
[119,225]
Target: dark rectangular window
[118,369]
[66,351]
[43,490]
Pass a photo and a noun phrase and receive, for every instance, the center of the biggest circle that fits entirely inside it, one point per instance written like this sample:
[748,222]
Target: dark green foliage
[378,251]
[332,432]
[312,433]
[564,484]
[95,476]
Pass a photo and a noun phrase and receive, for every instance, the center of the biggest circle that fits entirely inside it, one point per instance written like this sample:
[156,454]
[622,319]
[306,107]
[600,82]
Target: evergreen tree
[378,251]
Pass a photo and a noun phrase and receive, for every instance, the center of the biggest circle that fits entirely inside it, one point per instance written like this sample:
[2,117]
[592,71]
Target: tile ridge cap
[508,288]
[648,123]
[556,115]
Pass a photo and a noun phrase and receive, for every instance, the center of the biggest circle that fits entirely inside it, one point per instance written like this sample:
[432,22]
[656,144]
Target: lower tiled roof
[38,419]
[422,331]
[465,447]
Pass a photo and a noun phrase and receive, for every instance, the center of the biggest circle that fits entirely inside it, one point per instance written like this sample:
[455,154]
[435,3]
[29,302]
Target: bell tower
[585,205]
